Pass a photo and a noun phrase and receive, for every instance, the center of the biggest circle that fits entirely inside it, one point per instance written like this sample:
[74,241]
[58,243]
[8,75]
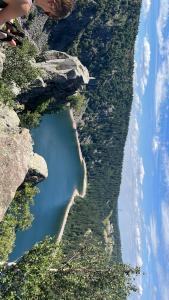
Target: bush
[76,101]
[6,95]
[31,119]
[17,66]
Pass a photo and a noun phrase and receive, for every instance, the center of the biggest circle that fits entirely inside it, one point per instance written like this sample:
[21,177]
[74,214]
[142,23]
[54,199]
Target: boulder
[56,64]
[38,170]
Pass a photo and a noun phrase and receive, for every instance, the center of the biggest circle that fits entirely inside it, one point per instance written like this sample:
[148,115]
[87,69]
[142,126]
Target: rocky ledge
[61,76]
[17,159]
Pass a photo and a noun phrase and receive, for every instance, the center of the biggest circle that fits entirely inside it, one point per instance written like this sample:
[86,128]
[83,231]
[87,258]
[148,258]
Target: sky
[144,212]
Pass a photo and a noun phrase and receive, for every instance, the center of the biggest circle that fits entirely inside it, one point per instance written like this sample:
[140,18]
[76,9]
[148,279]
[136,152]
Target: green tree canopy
[47,273]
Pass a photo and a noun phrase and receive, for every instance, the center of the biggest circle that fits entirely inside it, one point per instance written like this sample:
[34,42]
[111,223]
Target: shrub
[17,66]
[6,95]
[31,119]
[76,101]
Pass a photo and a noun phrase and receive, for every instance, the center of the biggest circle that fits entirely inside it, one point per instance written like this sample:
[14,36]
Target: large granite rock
[37,169]
[16,157]
[55,64]
[61,75]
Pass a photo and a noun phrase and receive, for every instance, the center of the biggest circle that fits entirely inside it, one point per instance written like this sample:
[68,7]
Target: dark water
[55,141]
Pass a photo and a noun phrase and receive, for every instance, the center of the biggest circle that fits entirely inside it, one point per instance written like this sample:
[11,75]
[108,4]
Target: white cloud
[161,86]
[145,64]
[139,261]
[138,238]
[147,54]
[163,282]
[165,223]
[148,248]
[142,172]
[163,72]
[155,143]
[146,6]
[166,166]
[137,104]
[162,22]
[140,289]
[153,235]
[135,76]
[135,125]
[154,291]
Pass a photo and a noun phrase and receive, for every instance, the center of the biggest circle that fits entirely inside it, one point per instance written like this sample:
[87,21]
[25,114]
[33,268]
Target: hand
[11,43]
[5,37]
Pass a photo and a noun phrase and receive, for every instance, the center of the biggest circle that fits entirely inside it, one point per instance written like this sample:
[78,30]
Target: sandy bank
[76,192]
[108,234]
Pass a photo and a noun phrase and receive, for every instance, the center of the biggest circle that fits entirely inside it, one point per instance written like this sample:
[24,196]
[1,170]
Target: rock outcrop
[61,76]
[16,157]
[37,169]
[2,59]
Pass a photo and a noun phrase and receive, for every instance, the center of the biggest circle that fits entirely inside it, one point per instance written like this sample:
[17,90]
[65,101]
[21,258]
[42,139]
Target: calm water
[55,141]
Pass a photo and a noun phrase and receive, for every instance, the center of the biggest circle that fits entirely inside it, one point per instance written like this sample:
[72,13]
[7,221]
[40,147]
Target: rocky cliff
[16,158]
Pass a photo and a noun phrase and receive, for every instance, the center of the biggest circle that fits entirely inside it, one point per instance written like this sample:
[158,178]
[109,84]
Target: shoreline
[76,193]
[83,193]
[108,234]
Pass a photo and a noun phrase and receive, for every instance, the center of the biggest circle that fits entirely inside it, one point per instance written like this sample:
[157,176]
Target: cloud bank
[146,6]
[155,143]
[161,88]
[145,64]
[163,72]
[162,22]
[165,224]
[165,163]
[163,282]
[153,235]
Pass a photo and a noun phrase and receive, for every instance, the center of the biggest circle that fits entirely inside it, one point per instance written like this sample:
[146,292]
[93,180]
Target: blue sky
[144,213]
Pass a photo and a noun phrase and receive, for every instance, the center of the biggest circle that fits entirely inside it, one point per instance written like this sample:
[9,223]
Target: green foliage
[6,95]
[20,207]
[30,18]
[77,101]
[83,274]
[17,65]
[31,119]
[7,236]
[18,217]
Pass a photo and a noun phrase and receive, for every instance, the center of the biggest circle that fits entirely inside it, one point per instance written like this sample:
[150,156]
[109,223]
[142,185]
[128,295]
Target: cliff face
[16,157]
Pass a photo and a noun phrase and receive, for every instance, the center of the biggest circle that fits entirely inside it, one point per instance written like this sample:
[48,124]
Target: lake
[55,140]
